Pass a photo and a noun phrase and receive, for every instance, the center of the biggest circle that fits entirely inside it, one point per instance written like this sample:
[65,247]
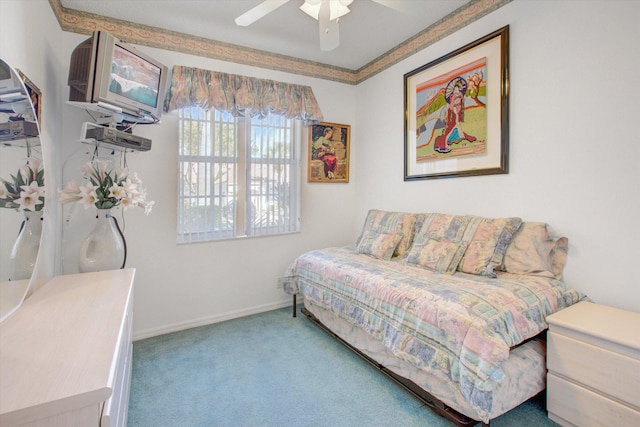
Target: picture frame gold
[457,112]
[328,158]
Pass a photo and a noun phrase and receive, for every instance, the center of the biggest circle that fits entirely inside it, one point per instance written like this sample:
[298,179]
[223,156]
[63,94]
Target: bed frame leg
[295,313]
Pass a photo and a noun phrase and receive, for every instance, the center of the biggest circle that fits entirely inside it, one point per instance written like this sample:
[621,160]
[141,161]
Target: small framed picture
[36,97]
[328,152]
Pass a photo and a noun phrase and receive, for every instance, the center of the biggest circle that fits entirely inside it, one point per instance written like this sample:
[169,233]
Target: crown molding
[80,22]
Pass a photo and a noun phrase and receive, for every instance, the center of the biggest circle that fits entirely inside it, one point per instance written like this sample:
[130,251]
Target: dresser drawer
[114,413]
[610,373]
[569,404]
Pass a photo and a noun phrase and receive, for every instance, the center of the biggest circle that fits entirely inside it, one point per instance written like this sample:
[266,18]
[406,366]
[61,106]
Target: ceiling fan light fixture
[337,8]
[311,8]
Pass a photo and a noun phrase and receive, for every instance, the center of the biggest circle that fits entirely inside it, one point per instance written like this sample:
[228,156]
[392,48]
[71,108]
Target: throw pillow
[444,226]
[378,245]
[441,256]
[391,222]
[487,240]
[536,250]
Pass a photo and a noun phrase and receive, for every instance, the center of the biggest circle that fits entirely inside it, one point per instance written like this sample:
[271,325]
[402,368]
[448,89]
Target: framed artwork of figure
[328,159]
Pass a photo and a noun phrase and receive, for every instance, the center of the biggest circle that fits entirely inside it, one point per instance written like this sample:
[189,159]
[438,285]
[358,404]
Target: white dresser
[65,354]
[593,358]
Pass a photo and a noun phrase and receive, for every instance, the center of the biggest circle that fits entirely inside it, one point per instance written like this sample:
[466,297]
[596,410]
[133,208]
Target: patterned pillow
[441,256]
[444,227]
[487,241]
[378,245]
[390,222]
[536,250]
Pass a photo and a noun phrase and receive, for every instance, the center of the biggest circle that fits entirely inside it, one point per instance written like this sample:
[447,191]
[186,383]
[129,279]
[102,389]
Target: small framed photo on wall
[328,159]
[36,97]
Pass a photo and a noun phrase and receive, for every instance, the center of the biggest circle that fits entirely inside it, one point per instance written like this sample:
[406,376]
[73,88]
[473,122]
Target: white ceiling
[367,32]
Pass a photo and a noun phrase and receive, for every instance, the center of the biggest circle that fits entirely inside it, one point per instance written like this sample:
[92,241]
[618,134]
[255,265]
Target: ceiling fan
[326,12]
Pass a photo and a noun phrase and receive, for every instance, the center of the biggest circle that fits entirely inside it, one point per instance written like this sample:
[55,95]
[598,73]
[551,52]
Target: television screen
[117,80]
[134,78]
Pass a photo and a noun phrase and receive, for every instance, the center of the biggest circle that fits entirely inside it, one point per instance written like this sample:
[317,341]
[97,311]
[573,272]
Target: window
[237,176]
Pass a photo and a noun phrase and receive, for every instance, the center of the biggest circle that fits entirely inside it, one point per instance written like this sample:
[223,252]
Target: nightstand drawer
[610,373]
[569,404]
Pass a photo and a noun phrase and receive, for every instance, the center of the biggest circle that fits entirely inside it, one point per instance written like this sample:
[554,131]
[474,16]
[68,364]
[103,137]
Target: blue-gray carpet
[271,369]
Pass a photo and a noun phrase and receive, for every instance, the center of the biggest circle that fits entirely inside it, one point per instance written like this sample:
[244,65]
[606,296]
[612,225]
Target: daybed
[452,304]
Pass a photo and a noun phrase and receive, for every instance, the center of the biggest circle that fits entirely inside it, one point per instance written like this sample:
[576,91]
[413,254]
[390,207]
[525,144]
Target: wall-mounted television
[110,76]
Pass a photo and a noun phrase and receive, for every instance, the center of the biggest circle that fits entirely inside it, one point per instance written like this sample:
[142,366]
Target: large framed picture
[329,145]
[457,112]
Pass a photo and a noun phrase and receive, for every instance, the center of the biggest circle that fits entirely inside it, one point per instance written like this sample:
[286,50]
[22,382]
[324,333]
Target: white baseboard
[166,329]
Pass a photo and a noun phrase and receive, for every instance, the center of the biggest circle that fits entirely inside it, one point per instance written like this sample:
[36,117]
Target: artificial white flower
[29,198]
[26,189]
[106,188]
[121,174]
[117,192]
[147,206]
[127,202]
[88,199]
[70,192]
[33,187]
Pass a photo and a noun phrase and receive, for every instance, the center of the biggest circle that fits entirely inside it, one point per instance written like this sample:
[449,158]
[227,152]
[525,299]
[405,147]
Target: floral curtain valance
[240,95]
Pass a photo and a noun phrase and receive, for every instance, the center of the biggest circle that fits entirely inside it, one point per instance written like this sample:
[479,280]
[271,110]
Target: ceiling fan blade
[329,30]
[252,15]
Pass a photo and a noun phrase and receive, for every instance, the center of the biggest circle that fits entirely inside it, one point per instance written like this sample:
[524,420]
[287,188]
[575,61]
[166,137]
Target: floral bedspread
[463,325]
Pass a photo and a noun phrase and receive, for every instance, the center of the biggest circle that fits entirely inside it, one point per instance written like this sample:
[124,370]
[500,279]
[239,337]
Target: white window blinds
[238,176]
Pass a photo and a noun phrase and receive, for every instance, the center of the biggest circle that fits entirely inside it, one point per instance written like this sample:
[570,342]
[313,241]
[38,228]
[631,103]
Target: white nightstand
[593,358]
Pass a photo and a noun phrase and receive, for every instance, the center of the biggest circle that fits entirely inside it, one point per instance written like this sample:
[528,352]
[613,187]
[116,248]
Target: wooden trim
[76,21]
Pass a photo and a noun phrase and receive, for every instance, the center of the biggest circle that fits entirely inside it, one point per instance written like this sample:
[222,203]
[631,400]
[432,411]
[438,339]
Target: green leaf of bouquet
[17,180]
[9,187]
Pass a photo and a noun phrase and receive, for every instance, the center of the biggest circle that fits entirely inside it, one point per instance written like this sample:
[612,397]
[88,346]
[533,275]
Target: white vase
[104,248]
[25,249]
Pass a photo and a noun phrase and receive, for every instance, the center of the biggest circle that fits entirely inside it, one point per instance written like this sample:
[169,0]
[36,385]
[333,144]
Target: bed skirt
[524,371]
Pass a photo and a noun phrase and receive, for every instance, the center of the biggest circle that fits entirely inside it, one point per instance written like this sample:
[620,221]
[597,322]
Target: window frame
[239,160]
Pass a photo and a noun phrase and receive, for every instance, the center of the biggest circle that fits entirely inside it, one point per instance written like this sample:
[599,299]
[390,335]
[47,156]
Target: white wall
[574,150]
[28,35]
[179,286]
[573,163]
